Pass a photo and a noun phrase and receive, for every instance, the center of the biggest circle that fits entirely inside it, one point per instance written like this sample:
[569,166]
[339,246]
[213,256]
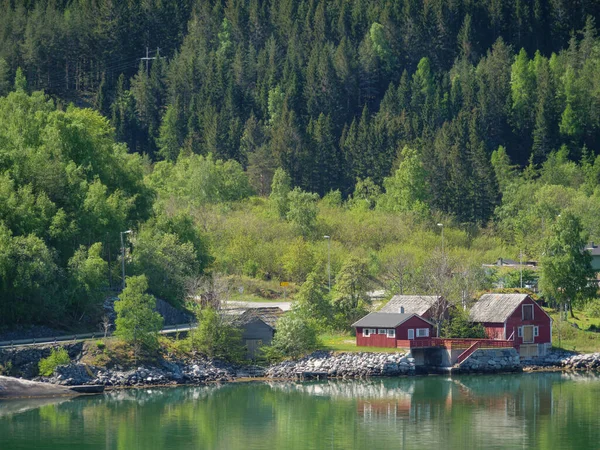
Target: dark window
[527,312]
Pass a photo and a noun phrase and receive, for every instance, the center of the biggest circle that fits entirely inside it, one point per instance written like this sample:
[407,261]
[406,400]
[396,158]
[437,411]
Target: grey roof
[413,304]
[268,315]
[593,249]
[383,320]
[496,308]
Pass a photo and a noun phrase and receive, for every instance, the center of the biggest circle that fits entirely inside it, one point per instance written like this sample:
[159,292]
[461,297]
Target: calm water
[545,411]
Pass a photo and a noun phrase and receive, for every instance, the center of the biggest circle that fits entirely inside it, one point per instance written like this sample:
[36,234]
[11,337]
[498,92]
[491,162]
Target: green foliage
[295,337]
[302,210]
[280,189]
[312,300]
[349,295]
[407,190]
[459,326]
[592,309]
[58,357]
[166,261]
[137,323]
[216,336]
[199,180]
[565,268]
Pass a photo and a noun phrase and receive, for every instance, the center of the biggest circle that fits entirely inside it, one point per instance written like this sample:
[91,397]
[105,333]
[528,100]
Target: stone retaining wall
[345,365]
[491,360]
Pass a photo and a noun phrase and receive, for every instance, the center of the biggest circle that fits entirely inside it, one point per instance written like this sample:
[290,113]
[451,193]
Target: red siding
[540,319]
[381,340]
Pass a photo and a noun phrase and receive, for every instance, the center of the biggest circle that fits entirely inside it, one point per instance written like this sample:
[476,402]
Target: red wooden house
[517,318]
[386,329]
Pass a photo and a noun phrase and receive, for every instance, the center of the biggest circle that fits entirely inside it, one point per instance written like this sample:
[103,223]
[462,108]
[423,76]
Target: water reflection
[548,410]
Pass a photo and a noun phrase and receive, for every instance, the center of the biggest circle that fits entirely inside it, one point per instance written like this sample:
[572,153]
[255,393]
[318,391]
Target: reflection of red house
[517,318]
[386,329]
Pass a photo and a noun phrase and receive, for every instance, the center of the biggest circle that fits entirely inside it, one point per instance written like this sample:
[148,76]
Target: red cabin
[386,329]
[517,318]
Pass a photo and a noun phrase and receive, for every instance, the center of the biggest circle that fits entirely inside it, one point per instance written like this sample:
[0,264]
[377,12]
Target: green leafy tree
[312,301]
[137,322]
[280,189]
[303,210]
[566,269]
[459,325]
[88,274]
[407,190]
[216,336]
[166,262]
[295,337]
[349,295]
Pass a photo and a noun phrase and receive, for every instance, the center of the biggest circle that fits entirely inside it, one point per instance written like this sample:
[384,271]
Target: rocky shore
[320,364]
[196,371]
[323,364]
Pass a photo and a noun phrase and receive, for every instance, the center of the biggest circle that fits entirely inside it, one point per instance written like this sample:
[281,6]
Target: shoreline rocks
[323,364]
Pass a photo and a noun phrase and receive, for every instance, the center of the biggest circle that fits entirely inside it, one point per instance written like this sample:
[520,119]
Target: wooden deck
[450,344]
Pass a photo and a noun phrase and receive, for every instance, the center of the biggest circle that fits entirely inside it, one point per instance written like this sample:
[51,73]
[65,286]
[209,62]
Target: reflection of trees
[531,410]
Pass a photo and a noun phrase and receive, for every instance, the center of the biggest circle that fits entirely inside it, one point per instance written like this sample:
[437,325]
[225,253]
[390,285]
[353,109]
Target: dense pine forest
[230,136]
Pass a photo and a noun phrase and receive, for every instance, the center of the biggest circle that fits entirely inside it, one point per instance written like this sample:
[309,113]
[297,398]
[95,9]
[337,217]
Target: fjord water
[543,410]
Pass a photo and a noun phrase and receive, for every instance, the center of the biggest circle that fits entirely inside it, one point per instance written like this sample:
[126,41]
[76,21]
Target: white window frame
[422,332]
[523,311]
[520,332]
[367,332]
[382,331]
[391,333]
[536,331]
[411,334]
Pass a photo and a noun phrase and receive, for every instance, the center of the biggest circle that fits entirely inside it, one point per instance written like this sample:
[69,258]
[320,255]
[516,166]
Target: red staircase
[468,352]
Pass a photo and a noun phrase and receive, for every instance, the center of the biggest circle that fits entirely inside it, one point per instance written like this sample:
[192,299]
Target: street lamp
[441,225]
[328,259]
[123,255]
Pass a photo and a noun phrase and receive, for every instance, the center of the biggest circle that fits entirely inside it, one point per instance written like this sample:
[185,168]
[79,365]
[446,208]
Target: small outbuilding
[258,327]
[379,329]
[517,318]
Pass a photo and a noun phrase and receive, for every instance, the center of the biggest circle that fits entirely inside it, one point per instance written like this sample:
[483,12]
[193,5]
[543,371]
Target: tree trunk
[571,310]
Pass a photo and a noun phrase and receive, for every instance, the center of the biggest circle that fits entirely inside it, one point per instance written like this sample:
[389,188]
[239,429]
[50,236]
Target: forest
[230,137]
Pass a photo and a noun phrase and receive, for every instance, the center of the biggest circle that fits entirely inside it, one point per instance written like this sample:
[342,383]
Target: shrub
[593,309]
[295,336]
[216,336]
[460,326]
[58,357]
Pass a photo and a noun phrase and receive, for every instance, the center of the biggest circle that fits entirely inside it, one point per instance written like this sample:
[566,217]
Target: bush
[216,336]
[58,357]
[593,309]
[460,326]
[295,337]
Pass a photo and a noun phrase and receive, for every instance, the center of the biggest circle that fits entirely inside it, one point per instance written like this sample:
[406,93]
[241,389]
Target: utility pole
[147,58]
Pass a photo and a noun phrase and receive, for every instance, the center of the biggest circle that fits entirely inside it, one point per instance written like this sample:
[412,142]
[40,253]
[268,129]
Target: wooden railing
[450,344]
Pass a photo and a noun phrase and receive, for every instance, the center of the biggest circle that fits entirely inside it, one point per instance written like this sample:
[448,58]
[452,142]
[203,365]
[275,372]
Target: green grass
[347,343]
[565,336]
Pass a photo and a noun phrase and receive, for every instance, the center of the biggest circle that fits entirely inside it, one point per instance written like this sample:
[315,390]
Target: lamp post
[441,225]
[328,259]
[123,255]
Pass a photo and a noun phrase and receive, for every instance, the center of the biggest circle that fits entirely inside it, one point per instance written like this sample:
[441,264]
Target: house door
[252,346]
[528,334]
[411,334]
